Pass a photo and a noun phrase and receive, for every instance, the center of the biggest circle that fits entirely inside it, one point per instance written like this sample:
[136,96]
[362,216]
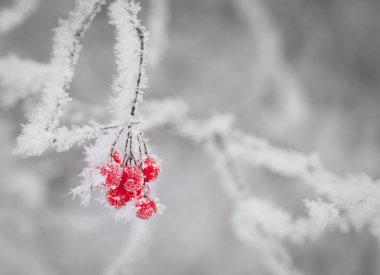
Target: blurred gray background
[302,74]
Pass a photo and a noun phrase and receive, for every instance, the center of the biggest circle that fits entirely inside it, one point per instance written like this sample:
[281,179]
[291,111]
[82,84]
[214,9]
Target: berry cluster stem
[140,35]
[128,154]
[129,157]
[115,141]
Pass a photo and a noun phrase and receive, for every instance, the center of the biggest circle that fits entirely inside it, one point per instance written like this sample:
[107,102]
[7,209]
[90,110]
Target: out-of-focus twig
[134,249]
[158,25]
[272,73]
[16,14]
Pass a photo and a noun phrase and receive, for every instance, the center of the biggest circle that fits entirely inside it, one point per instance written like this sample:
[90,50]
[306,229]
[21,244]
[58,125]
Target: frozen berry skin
[151,169]
[140,193]
[113,174]
[121,192]
[116,202]
[118,197]
[116,157]
[132,178]
[145,208]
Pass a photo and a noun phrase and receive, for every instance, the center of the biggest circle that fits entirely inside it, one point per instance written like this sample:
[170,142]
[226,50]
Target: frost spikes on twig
[130,79]
[38,133]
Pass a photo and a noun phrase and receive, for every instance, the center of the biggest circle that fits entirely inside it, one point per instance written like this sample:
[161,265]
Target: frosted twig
[250,218]
[356,198]
[360,192]
[130,80]
[134,249]
[357,195]
[43,128]
[37,135]
[158,24]
[13,16]
[271,71]
[353,200]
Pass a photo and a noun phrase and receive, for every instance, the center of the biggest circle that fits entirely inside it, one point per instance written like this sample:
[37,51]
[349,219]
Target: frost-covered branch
[251,221]
[43,128]
[166,112]
[351,201]
[120,163]
[20,78]
[15,15]
[229,148]
[214,135]
[159,17]
[129,51]
[134,249]
[38,133]
[357,202]
[272,73]
[357,197]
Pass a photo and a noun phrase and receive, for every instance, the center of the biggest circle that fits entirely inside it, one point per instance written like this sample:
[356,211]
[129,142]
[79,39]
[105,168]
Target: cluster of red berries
[126,182]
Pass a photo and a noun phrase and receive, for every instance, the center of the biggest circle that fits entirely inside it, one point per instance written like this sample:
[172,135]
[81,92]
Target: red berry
[151,169]
[120,191]
[132,178]
[140,192]
[145,208]
[118,197]
[112,174]
[116,157]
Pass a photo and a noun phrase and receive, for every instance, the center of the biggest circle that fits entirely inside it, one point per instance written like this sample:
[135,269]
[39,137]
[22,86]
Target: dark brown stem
[140,35]
[145,146]
[131,156]
[125,158]
[114,143]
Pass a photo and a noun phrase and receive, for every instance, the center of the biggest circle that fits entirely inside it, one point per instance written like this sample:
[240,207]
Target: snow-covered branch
[272,72]
[38,133]
[351,201]
[134,249]
[250,220]
[229,148]
[43,129]
[354,197]
[357,202]
[130,80]
[20,78]
[357,197]
[158,24]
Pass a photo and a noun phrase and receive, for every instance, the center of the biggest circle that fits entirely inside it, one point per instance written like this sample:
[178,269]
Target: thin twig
[140,35]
